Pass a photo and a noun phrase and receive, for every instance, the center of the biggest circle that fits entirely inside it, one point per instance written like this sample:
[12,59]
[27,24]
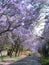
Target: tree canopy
[27,18]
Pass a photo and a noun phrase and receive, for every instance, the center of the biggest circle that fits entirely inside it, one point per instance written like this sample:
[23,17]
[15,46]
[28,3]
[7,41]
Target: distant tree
[45,49]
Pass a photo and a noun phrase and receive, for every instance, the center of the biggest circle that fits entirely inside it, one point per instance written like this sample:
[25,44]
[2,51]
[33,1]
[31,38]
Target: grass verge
[44,60]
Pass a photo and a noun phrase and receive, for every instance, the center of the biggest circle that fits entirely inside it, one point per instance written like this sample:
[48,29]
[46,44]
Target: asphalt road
[29,60]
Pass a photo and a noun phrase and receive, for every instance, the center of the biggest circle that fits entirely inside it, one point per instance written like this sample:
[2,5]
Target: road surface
[29,60]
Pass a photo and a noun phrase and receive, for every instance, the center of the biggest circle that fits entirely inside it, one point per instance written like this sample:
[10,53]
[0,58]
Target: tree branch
[9,29]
